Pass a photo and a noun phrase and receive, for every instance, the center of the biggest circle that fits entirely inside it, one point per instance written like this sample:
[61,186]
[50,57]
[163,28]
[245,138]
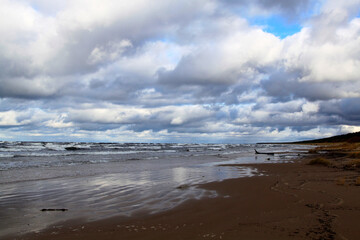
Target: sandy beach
[288,201]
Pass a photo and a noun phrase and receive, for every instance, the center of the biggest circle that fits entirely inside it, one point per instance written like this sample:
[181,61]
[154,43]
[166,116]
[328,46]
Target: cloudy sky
[179,70]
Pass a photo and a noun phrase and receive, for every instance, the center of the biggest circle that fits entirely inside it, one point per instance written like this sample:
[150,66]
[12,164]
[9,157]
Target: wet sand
[290,201]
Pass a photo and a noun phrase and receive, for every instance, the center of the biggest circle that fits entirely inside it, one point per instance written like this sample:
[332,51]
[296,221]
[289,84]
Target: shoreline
[291,200]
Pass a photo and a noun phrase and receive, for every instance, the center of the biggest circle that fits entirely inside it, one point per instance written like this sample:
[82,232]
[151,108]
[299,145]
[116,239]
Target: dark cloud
[347,109]
[284,86]
[289,8]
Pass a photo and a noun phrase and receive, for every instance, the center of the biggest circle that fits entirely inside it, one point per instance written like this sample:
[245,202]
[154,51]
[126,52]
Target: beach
[285,200]
[195,119]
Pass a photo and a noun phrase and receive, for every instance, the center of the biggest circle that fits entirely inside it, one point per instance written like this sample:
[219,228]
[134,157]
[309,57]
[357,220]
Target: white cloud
[349,129]
[310,107]
[8,118]
[334,61]
[176,115]
[40,86]
[59,122]
[111,52]
[30,116]
[235,53]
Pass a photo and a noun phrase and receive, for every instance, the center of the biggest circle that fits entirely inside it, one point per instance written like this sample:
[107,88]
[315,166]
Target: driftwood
[54,209]
[182,187]
[267,153]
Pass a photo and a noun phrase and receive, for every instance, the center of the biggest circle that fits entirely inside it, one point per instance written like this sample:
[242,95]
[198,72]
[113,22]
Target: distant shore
[316,197]
[345,138]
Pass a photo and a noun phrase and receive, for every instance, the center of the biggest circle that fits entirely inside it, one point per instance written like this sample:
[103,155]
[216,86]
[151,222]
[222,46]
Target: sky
[189,71]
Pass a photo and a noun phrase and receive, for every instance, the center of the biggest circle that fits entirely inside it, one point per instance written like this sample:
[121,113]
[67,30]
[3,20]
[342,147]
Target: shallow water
[98,181]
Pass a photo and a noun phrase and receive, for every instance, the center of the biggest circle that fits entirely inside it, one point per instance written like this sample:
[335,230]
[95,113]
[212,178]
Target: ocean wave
[9,165]
[53,154]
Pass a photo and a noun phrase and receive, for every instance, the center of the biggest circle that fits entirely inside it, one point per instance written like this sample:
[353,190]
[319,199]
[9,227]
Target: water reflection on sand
[96,191]
[96,197]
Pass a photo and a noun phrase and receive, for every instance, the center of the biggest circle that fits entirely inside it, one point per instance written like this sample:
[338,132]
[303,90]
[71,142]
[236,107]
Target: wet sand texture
[292,201]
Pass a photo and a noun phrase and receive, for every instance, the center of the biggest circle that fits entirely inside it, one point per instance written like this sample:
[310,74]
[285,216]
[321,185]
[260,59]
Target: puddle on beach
[102,196]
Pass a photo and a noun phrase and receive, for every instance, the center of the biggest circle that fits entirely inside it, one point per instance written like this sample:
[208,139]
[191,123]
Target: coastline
[291,200]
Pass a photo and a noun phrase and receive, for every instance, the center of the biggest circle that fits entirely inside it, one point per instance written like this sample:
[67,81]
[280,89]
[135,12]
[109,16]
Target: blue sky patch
[276,25]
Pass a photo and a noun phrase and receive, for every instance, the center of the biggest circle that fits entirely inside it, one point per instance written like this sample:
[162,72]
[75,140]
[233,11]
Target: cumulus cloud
[141,118]
[112,51]
[325,61]
[32,116]
[177,70]
[233,58]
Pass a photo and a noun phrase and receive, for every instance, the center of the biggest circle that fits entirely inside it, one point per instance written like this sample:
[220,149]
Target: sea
[93,181]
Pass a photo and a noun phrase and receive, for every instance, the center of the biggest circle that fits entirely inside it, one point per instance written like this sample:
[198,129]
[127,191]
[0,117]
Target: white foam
[6,155]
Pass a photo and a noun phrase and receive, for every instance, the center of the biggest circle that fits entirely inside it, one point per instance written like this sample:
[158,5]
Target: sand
[290,201]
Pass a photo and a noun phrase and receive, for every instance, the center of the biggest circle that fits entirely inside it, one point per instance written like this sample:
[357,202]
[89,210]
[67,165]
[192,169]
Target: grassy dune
[340,152]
